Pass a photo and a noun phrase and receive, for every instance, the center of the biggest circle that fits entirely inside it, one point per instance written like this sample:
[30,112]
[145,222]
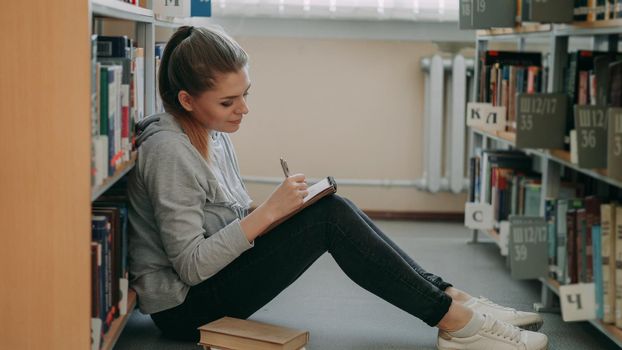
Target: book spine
[616,224]
[571,219]
[550,211]
[112,116]
[609,263]
[581,246]
[598,276]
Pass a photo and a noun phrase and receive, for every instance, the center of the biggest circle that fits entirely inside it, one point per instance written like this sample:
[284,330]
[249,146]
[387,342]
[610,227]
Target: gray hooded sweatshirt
[185,226]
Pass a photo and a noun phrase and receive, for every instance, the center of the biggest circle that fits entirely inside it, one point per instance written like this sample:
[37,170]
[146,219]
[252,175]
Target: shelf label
[541,120]
[548,11]
[171,8]
[528,247]
[614,151]
[578,302]
[484,14]
[591,127]
[486,116]
[478,216]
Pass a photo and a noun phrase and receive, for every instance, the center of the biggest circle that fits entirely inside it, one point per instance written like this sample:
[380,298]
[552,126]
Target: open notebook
[316,192]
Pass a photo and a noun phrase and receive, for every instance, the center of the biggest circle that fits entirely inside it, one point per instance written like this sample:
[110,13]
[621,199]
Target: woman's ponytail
[191,60]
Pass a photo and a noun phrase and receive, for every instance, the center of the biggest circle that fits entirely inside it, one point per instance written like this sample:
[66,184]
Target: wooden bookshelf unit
[115,330]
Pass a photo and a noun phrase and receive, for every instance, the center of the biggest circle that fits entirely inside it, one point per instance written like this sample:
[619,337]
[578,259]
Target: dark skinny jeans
[332,224]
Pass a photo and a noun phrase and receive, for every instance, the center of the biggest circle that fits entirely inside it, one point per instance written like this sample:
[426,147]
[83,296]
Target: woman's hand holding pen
[285,199]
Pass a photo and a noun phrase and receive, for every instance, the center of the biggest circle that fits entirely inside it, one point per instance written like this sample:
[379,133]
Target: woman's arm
[256,222]
[171,173]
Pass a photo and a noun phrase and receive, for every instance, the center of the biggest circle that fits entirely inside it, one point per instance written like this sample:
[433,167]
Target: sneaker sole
[546,347]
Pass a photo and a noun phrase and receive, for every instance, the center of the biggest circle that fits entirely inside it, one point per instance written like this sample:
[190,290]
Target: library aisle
[341,315]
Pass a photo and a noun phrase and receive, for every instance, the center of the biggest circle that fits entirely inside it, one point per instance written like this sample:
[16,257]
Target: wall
[335,103]
[341,107]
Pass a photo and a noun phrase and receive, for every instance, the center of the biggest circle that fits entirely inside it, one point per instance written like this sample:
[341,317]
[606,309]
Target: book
[317,191]
[572,240]
[562,237]
[532,199]
[581,246]
[581,10]
[550,218]
[607,225]
[233,334]
[100,228]
[615,84]
[499,159]
[598,276]
[616,225]
[571,243]
[592,219]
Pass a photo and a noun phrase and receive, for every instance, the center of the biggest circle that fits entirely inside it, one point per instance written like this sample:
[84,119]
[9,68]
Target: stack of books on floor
[230,333]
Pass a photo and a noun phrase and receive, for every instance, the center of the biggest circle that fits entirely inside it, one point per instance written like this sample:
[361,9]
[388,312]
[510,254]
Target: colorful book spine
[607,225]
[550,211]
[597,261]
[562,234]
[616,224]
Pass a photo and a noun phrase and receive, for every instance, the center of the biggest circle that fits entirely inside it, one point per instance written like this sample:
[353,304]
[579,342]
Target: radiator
[447,85]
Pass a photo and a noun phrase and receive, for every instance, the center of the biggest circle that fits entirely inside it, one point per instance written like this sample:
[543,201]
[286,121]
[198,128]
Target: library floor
[341,315]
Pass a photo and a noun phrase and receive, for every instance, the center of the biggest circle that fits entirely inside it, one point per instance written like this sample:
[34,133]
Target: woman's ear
[185,100]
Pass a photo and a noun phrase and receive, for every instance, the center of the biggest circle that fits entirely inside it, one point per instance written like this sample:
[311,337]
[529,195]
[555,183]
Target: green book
[532,199]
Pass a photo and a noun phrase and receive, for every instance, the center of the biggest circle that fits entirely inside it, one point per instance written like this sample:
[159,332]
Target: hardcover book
[233,334]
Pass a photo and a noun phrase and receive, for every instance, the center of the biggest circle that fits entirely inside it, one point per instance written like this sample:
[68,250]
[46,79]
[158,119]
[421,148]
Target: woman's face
[223,107]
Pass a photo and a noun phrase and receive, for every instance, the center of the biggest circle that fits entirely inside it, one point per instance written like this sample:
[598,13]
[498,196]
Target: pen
[285,168]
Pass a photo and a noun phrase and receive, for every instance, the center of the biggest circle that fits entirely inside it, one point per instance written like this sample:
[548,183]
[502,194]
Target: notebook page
[316,188]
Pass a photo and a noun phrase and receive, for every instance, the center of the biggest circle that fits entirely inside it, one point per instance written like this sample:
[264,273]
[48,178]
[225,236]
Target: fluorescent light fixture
[419,10]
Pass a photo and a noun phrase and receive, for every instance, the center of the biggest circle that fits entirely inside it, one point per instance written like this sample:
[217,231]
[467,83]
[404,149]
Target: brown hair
[192,58]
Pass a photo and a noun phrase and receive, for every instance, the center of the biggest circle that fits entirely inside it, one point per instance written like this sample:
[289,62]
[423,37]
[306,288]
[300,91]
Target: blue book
[201,8]
[99,234]
[598,271]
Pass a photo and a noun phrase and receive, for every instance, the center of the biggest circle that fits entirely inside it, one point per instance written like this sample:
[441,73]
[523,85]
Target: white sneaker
[530,321]
[494,335]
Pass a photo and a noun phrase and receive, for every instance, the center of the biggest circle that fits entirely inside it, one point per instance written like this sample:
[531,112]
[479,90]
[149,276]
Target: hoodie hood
[153,125]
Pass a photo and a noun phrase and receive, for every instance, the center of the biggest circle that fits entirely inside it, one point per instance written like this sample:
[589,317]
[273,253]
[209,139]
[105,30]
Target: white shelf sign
[172,8]
[478,216]
[486,116]
[578,302]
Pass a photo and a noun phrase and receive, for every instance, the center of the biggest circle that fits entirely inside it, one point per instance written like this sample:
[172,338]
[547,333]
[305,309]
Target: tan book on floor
[237,334]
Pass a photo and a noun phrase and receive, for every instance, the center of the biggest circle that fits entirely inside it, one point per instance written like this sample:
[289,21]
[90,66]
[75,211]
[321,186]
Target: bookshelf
[605,36]
[97,191]
[559,156]
[110,339]
[45,180]
[614,333]
[121,10]
[139,24]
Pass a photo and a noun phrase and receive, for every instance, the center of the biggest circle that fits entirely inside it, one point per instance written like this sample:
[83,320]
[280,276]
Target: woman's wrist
[257,221]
